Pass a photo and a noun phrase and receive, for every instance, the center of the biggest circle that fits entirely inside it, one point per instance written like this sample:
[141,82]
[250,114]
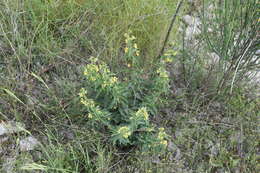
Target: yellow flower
[87,102]
[126,49]
[137,53]
[150,129]
[113,80]
[90,116]
[161,136]
[132,38]
[109,82]
[86,72]
[168,60]
[164,142]
[105,69]
[91,78]
[104,85]
[135,46]
[162,72]
[129,65]
[171,53]
[81,94]
[95,68]
[124,131]
[93,59]
[91,68]
[142,113]
[161,129]
[146,116]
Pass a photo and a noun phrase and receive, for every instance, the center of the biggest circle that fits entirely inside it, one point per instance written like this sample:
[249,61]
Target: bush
[225,53]
[233,37]
[124,104]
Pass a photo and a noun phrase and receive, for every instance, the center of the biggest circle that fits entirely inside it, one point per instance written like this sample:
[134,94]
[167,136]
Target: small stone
[10,127]
[67,134]
[175,150]
[28,143]
[214,150]
[8,165]
[193,27]
[214,58]
[156,160]
[192,21]
[171,146]
[3,140]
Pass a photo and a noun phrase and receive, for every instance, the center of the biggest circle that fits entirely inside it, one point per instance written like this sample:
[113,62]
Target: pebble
[28,143]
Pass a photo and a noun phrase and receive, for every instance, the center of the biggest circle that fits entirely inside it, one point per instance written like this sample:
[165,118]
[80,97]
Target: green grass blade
[40,79]
[10,93]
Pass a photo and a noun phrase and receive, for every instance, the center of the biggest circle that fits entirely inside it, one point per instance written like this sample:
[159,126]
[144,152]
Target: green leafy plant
[124,104]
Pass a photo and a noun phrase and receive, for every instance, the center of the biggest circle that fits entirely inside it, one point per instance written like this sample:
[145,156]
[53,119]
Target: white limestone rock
[28,144]
[10,127]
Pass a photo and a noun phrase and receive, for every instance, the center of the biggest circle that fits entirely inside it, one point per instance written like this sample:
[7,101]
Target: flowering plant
[124,105]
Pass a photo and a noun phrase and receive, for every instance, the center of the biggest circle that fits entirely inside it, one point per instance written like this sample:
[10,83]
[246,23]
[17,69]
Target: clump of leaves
[124,104]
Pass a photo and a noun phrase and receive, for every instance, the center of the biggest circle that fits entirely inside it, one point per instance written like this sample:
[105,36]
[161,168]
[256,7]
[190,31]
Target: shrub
[124,104]
[225,53]
[233,37]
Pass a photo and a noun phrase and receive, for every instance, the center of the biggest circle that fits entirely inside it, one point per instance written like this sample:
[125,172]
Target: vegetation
[86,80]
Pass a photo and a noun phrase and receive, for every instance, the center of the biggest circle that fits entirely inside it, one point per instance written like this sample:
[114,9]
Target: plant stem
[170,28]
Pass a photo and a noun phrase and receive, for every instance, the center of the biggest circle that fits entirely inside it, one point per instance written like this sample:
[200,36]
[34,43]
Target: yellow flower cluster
[90,116]
[124,131]
[93,59]
[128,38]
[129,42]
[84,100]
[162,73]
[99,72]
[95,111]
[91,68]
[169,55]
[110,82]
[164,142]
[168,60]
[161,136]
[150,129]
[137,53]
[88,102]
[126,49]
[82,92]
[142,113]
[91,71]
